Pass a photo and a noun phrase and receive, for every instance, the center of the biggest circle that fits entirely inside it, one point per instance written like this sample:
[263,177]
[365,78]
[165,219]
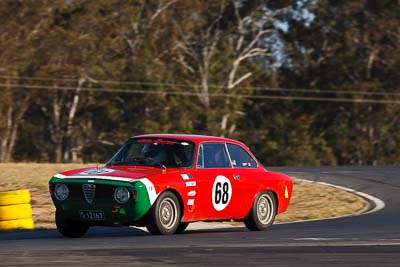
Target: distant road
[366,240]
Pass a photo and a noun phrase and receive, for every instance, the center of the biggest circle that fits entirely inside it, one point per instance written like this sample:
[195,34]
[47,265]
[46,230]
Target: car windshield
[156,152]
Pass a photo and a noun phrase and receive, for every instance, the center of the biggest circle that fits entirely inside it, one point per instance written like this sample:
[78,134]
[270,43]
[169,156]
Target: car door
[218,194]
[245,172]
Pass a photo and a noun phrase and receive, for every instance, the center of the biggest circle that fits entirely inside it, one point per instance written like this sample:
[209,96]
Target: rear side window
[240,158]
[213,155]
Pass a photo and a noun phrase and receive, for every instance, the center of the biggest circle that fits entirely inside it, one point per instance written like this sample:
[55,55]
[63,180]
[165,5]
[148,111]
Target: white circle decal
[97,171]
[221,192]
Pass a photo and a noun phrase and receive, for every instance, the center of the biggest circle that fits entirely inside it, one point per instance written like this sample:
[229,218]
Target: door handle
[236,176]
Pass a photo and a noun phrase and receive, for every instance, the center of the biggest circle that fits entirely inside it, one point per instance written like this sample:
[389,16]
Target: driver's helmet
[156,152]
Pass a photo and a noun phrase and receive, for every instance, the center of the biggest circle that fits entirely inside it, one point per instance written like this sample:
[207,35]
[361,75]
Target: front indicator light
[134,194]
[61,192]
[121,195]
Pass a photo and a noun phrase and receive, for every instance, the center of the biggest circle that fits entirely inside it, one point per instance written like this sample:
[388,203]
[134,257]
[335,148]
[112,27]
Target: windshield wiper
[157,163]
[127,162]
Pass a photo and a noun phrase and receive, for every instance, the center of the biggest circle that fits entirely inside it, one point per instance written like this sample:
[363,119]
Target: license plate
[91,215]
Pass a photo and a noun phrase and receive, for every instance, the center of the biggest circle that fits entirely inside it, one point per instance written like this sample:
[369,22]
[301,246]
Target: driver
[154,152]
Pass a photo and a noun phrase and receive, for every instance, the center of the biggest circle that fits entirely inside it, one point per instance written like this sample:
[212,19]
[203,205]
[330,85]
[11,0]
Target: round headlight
[61,192]
[121,195]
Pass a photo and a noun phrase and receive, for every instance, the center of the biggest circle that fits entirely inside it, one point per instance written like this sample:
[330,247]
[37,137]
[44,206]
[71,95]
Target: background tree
[303,82]
[351,46]
[21,26]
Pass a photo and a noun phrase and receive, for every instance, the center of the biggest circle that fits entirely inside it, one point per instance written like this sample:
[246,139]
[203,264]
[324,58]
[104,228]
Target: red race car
[166,181]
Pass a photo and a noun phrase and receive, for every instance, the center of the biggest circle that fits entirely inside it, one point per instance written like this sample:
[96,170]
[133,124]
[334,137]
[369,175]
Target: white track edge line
[379,204]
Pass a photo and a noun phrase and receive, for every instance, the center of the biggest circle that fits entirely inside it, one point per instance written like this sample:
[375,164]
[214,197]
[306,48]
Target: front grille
[89,192]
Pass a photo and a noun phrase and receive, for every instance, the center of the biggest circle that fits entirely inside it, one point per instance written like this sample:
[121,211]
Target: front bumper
[129,213]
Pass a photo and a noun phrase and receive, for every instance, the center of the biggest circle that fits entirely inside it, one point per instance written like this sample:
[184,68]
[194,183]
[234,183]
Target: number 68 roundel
[221,192]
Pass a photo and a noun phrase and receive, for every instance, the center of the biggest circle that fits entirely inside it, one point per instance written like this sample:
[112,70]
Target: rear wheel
[69,228]
[262,213]
[165,215]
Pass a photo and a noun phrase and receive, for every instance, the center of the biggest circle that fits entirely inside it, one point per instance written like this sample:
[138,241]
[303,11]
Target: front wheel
[262,213]
[165,215]
[182,227]
[69,228]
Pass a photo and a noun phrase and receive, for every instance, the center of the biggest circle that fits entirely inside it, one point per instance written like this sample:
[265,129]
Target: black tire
[262,213]
[73,229]
[182,227]
[164,216]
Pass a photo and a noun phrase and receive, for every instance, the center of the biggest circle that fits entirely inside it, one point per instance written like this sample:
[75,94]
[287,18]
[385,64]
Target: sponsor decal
[221,192]
[192,183]
[192,193]
[190,202]
[186,176]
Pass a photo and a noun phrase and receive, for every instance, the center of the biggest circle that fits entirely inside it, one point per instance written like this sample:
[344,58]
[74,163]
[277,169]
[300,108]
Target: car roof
[191,137]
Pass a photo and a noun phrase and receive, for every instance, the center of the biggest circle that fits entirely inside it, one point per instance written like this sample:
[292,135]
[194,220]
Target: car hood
[128,174]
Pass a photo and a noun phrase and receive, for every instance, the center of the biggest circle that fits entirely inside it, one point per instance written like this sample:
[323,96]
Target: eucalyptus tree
[351,48]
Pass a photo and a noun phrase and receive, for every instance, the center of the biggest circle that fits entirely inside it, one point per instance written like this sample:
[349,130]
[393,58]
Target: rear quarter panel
[262,180]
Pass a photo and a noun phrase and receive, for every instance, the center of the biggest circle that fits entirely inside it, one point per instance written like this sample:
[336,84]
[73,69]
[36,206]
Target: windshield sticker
[156,141]
[144,141]
[166,142]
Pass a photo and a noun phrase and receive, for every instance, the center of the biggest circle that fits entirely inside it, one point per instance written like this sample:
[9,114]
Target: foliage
[77,78]
[351,46]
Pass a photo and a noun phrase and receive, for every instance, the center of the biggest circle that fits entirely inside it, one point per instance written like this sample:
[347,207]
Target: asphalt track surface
[366,240]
